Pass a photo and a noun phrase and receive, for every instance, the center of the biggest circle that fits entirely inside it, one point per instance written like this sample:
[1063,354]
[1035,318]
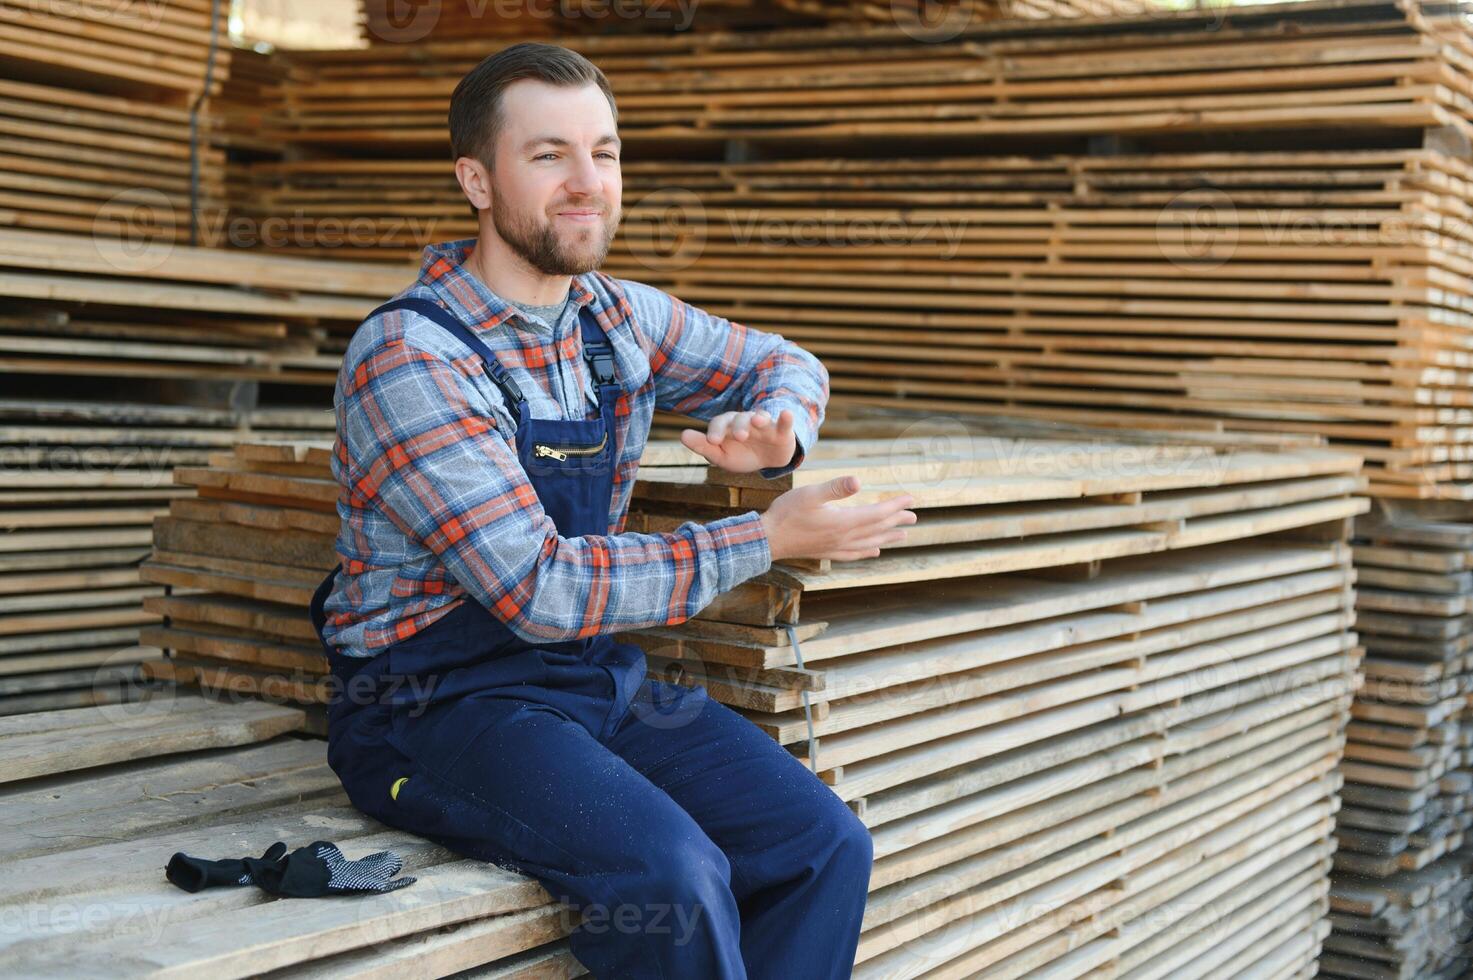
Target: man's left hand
[744,442]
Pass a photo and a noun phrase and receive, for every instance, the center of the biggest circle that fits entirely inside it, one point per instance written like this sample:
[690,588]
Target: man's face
[556,188]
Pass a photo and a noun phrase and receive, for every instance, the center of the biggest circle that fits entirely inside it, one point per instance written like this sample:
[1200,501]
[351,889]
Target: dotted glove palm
[321,869]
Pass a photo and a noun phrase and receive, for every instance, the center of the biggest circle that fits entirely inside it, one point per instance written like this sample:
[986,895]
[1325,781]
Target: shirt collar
[442,269]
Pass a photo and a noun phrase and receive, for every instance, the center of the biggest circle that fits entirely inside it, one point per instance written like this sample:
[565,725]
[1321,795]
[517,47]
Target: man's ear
[475,182]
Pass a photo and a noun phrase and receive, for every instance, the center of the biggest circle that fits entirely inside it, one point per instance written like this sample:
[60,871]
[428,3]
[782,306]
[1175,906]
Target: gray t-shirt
[550,315]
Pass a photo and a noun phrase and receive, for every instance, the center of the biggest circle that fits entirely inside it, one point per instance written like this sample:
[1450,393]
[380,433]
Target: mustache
[600,207]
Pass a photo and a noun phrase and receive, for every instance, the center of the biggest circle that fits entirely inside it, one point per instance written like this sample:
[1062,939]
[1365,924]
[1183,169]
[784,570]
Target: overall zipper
[538,449]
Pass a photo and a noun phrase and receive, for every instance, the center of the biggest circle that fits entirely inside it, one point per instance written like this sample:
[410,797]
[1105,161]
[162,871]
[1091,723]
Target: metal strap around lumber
[807,704]
[199,101]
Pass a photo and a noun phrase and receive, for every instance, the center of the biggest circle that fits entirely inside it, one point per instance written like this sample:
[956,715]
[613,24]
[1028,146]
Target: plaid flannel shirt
[436,508]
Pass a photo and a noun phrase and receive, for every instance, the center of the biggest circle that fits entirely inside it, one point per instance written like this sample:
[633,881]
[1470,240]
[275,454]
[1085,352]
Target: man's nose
[584,179]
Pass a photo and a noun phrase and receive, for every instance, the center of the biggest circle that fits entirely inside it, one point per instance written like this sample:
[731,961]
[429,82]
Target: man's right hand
[801,524]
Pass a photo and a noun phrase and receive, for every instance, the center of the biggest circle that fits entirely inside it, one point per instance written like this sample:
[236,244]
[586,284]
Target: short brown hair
[475,107]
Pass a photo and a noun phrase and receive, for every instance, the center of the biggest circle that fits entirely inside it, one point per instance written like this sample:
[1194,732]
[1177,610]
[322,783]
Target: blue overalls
[690,844]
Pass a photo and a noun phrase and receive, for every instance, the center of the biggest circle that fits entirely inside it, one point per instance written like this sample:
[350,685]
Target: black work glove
[320,869]
[193,874]
[308,872]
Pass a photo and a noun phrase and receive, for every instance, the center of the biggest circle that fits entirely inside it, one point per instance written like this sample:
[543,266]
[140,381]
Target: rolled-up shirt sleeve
[704,365]
[418,442]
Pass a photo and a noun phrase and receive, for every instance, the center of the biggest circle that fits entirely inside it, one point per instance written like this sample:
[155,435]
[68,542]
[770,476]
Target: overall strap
[597,350]
[436,312]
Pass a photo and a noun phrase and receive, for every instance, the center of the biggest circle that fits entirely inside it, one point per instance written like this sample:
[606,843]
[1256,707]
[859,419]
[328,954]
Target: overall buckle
[600,359]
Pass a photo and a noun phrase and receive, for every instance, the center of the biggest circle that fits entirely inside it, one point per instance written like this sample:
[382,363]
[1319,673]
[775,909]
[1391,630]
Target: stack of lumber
[105,164]
[97,800]
[1326,63]
[238,114]
[1284,246]
[1326,295]
[162,48]
[241,559]
[1402,884]
[383,22]
[117,366]
[101,110]
[979,694]
[933,19]
[1096,699]
[1336,307]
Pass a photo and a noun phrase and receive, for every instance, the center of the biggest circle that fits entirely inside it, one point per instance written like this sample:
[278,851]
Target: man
[486,469]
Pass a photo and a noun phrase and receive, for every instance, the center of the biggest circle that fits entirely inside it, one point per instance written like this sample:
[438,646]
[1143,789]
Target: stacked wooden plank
[102,115]
[931,19]
[241,560]
[97,800]
[967,718]
[383,23]
[1285,245]
[94,163]
[238,114]
[1101,679]
[160,48]
[1327,63]
[1060,288]
[116,366]
[1112,290]
[1402,886]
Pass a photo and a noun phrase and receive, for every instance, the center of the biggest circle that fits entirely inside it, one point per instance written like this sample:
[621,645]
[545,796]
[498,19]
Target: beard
[535,238]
